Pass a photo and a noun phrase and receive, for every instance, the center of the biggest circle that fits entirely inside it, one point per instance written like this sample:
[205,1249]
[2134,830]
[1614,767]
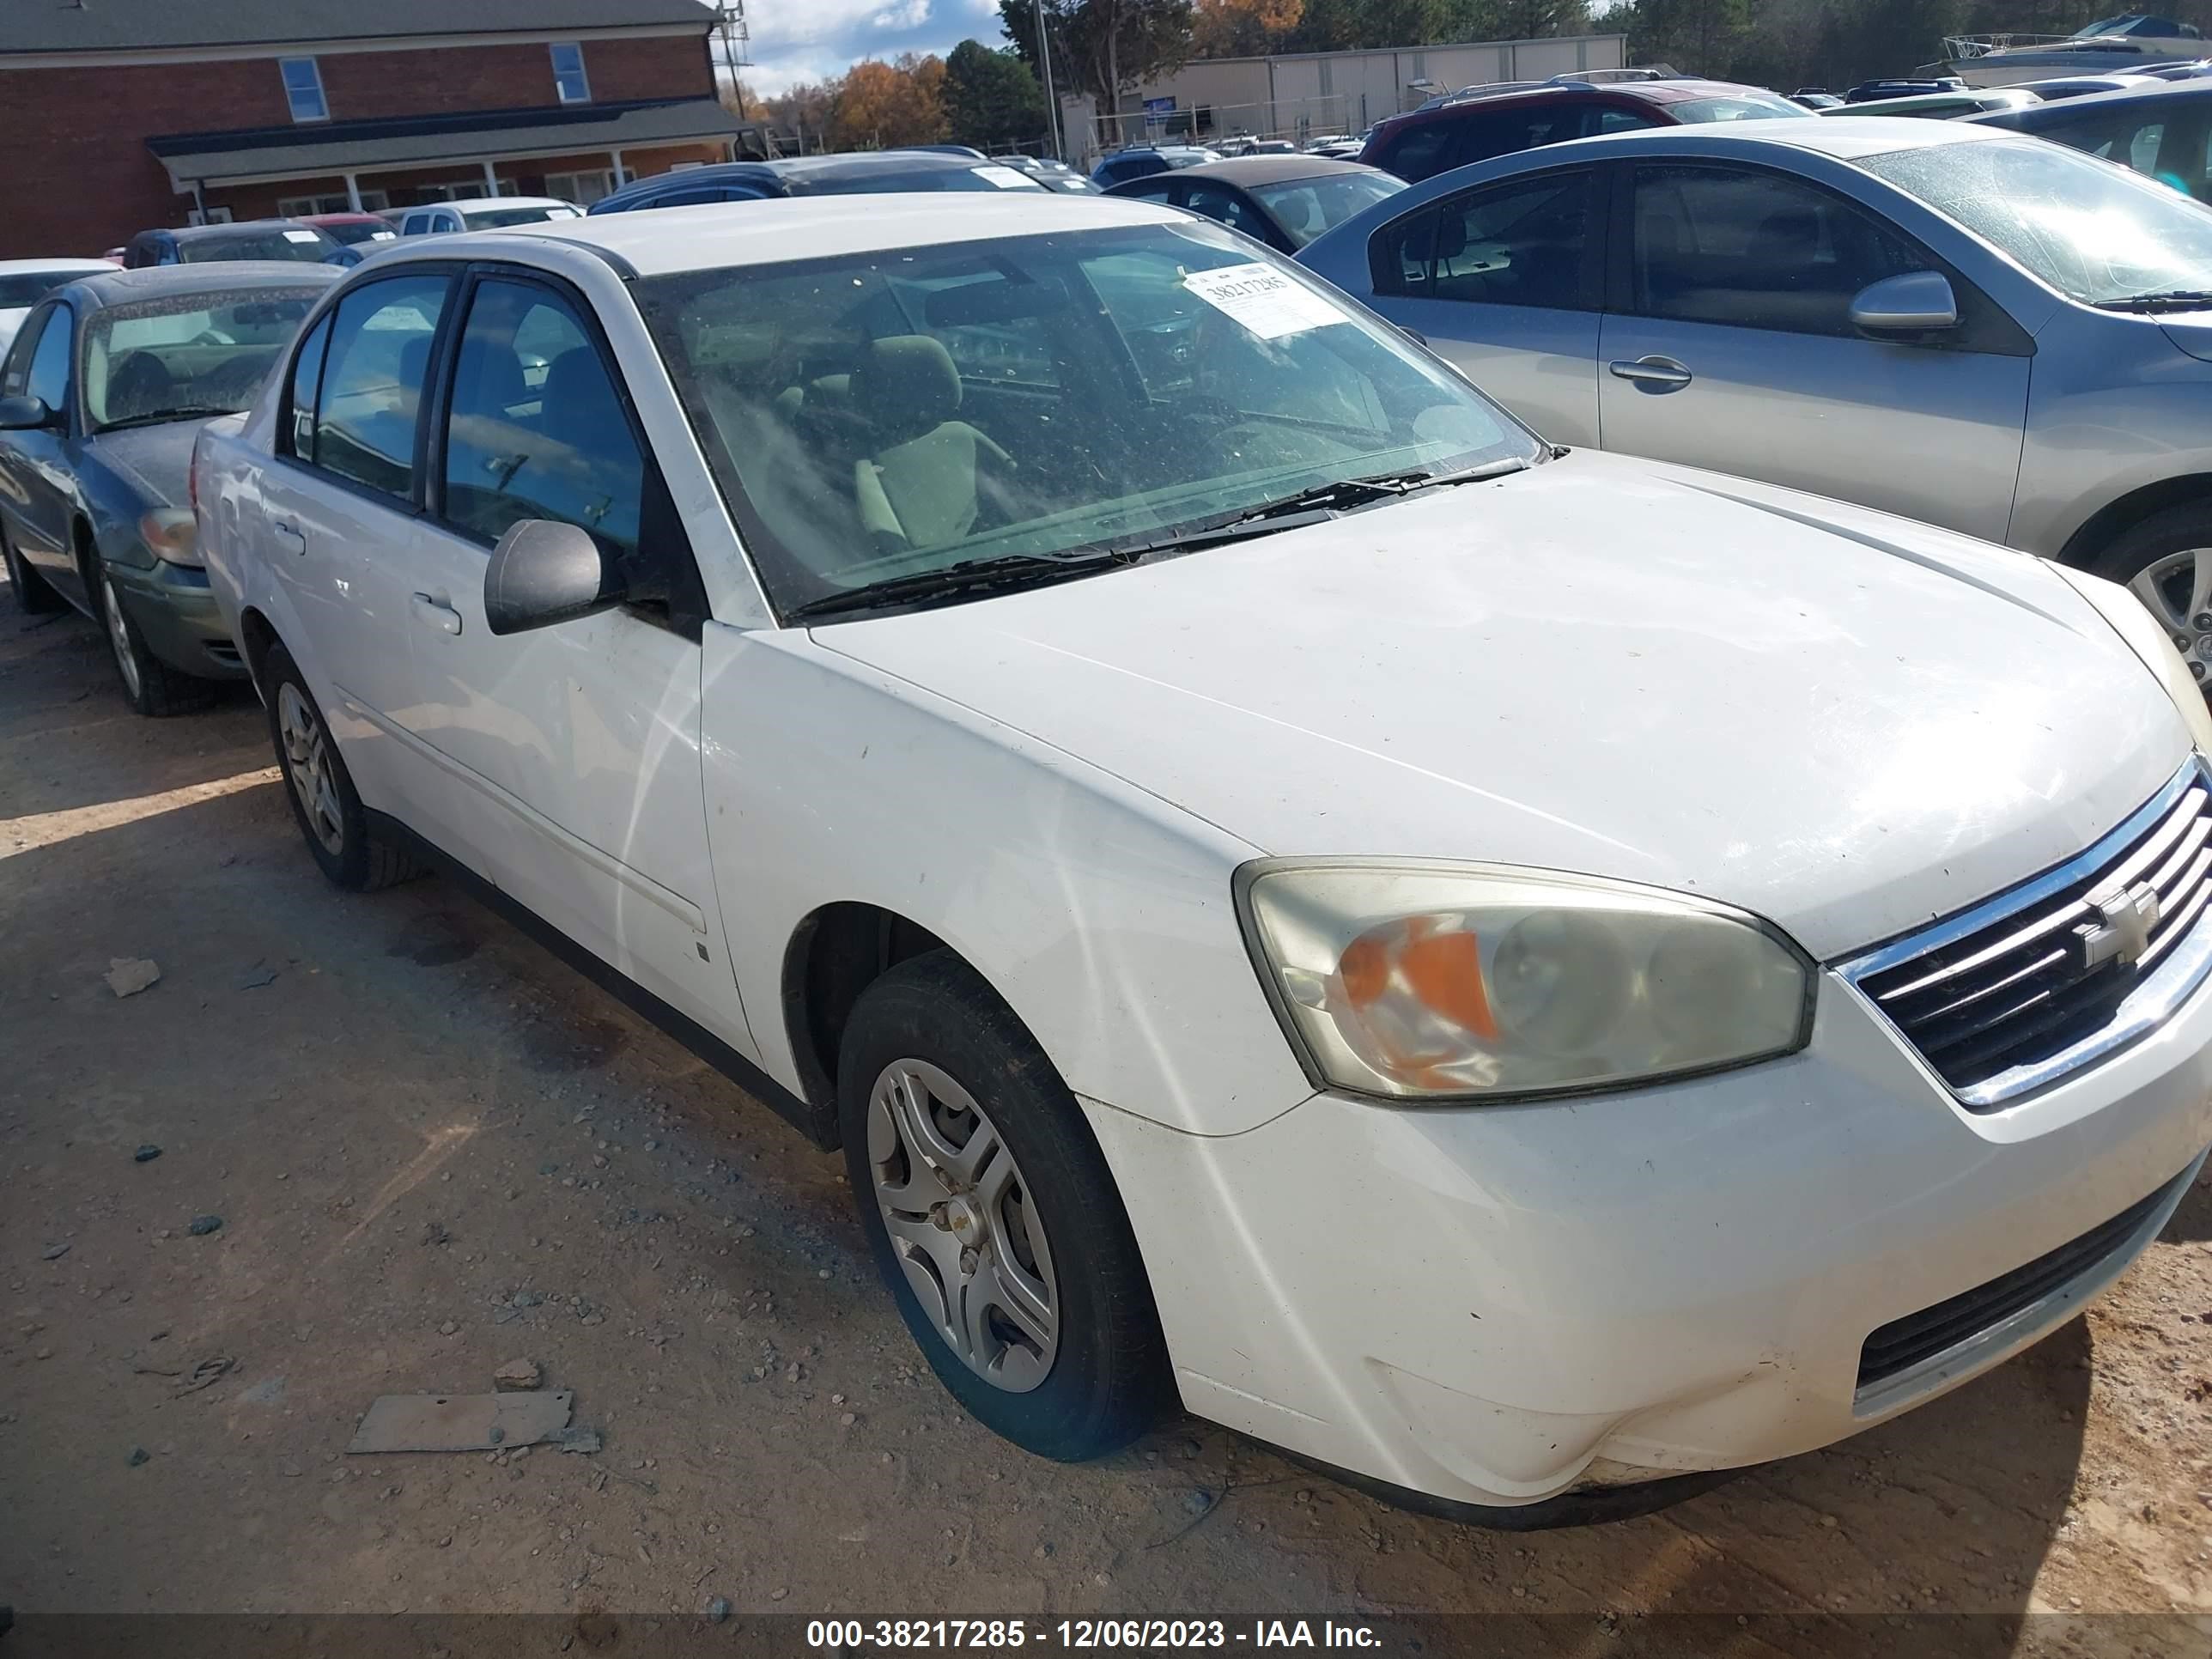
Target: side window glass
[2143,145]
[17,369]
[1420,151]
[48,379]
[537,430]
[373,381]
[1614,120]
[1752,250]
[1521,245]
[1226,206]
[307,386]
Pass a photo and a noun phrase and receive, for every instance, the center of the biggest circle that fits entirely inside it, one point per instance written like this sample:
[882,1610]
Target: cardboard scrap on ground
[462,1422]
[128,975]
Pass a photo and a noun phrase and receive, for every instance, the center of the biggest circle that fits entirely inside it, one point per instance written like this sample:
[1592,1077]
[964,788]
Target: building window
[569,73]
[581,188]
[303,88]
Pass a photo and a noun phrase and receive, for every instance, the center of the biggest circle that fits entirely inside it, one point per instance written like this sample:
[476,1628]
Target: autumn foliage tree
[1241,28]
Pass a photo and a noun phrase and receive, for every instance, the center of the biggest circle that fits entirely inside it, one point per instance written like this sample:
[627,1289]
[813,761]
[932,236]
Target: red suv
[1477,125]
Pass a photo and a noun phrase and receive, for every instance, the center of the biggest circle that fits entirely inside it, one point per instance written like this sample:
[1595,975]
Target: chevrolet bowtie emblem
[2121,932]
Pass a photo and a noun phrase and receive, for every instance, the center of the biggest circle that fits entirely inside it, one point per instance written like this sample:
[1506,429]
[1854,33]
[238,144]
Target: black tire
[359,862]
[2135,550]
[149,685]
[1107,1379]
[33,597]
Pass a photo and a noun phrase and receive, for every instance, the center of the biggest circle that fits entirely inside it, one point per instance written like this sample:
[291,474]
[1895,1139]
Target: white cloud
[909,14]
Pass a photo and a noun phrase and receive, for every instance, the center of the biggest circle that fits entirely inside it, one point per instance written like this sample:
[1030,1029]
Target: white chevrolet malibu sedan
[1512,975]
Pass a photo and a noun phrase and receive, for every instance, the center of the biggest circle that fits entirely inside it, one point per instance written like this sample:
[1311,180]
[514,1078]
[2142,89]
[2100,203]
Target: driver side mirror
[27,415]
[1912,304]
[544,572]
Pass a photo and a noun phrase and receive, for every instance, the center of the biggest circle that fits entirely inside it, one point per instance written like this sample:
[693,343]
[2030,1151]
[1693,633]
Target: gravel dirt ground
[434,1149]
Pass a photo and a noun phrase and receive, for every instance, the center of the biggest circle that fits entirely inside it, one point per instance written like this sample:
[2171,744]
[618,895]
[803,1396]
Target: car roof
[1972,96]
[1649,92]
[2065,110]
[1266,169]
[112,287]
[60,262]
[1845,138]
[207,233]
[873,161]
[465,204]
[788,227]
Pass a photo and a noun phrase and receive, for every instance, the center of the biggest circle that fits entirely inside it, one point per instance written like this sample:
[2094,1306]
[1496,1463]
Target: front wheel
[152,686]
[323,801]
[2166,563]
[992,1216]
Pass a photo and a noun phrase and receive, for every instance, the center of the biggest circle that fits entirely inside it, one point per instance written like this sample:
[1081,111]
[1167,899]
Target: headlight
[171,535]
[2146,637]
[1482,982]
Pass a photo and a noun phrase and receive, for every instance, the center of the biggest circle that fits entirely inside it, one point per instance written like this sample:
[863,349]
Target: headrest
[906,383]
[1451,235]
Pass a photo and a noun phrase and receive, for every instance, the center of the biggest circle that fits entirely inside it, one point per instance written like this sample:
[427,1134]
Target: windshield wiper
[965,579]
[1322,502]
[2179,299]
[164,417]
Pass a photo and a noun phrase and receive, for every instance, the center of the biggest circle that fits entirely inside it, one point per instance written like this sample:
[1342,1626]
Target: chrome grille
[2064,969]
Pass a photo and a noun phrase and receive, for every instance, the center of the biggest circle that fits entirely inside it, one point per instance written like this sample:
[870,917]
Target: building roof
[45,26]
[293,152]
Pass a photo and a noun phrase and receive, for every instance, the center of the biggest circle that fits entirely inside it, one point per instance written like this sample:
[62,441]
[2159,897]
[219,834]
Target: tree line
[989,95]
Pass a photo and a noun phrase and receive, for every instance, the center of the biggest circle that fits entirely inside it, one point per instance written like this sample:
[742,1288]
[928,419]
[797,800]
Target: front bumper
[176,613]
[1494,1305]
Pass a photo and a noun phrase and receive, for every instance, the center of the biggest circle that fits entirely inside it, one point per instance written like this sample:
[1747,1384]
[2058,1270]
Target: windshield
[860,182]
[1736,107]
[1306,207]
[187,356]
[350,231]
[497,218]
[297,242]
[27,288]
[2095,232]
[878,417]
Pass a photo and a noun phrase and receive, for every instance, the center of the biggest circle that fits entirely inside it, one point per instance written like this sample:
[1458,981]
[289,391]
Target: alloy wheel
[963,1225]
[307,765]
[2176,589]
[119,638]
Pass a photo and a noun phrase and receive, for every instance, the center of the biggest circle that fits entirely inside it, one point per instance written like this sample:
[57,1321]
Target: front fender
[1102,914]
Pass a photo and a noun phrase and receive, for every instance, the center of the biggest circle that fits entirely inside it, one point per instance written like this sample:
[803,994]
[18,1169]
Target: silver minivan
[1977,330]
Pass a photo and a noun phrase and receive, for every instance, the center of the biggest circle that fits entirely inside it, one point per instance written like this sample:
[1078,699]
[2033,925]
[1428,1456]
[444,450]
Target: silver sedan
[1980,331]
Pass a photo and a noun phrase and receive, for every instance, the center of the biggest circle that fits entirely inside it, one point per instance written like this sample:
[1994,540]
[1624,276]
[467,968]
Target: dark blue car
[814,175]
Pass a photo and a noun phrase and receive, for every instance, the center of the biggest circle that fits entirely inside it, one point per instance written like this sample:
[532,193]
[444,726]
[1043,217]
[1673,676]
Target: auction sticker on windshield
[1264,301]
[1004,177]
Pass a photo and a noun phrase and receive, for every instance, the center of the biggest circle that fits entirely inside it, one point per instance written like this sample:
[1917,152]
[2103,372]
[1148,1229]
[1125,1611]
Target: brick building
[117,116]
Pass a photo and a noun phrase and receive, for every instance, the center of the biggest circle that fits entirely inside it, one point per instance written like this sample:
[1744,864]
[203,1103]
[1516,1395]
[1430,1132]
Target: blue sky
[813,39]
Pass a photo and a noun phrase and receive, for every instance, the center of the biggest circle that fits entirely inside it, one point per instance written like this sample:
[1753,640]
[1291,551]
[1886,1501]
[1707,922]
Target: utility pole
[1051,103]
[737,47]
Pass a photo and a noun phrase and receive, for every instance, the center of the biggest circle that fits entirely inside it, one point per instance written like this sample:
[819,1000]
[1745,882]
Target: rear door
[1505,281]
[35,489]
[1729,346]
[341,524]
[569,755]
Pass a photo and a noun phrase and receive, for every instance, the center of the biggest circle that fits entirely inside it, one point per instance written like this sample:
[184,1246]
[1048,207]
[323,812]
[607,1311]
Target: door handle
[1653,373]
[289,536]
[442,616]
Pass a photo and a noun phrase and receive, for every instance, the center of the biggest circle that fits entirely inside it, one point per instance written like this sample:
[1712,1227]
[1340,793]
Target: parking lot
[434,1149]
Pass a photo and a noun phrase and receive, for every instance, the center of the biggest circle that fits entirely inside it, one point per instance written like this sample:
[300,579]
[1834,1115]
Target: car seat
[919,484]
[140,385]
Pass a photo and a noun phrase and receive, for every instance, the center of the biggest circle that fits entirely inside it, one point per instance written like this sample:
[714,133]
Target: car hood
[1840,721]
[155,462]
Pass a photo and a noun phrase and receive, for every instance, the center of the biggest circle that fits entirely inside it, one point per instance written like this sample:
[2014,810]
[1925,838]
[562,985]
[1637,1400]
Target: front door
[1731,347]
[33,469]
[1503,282]
[570,754]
